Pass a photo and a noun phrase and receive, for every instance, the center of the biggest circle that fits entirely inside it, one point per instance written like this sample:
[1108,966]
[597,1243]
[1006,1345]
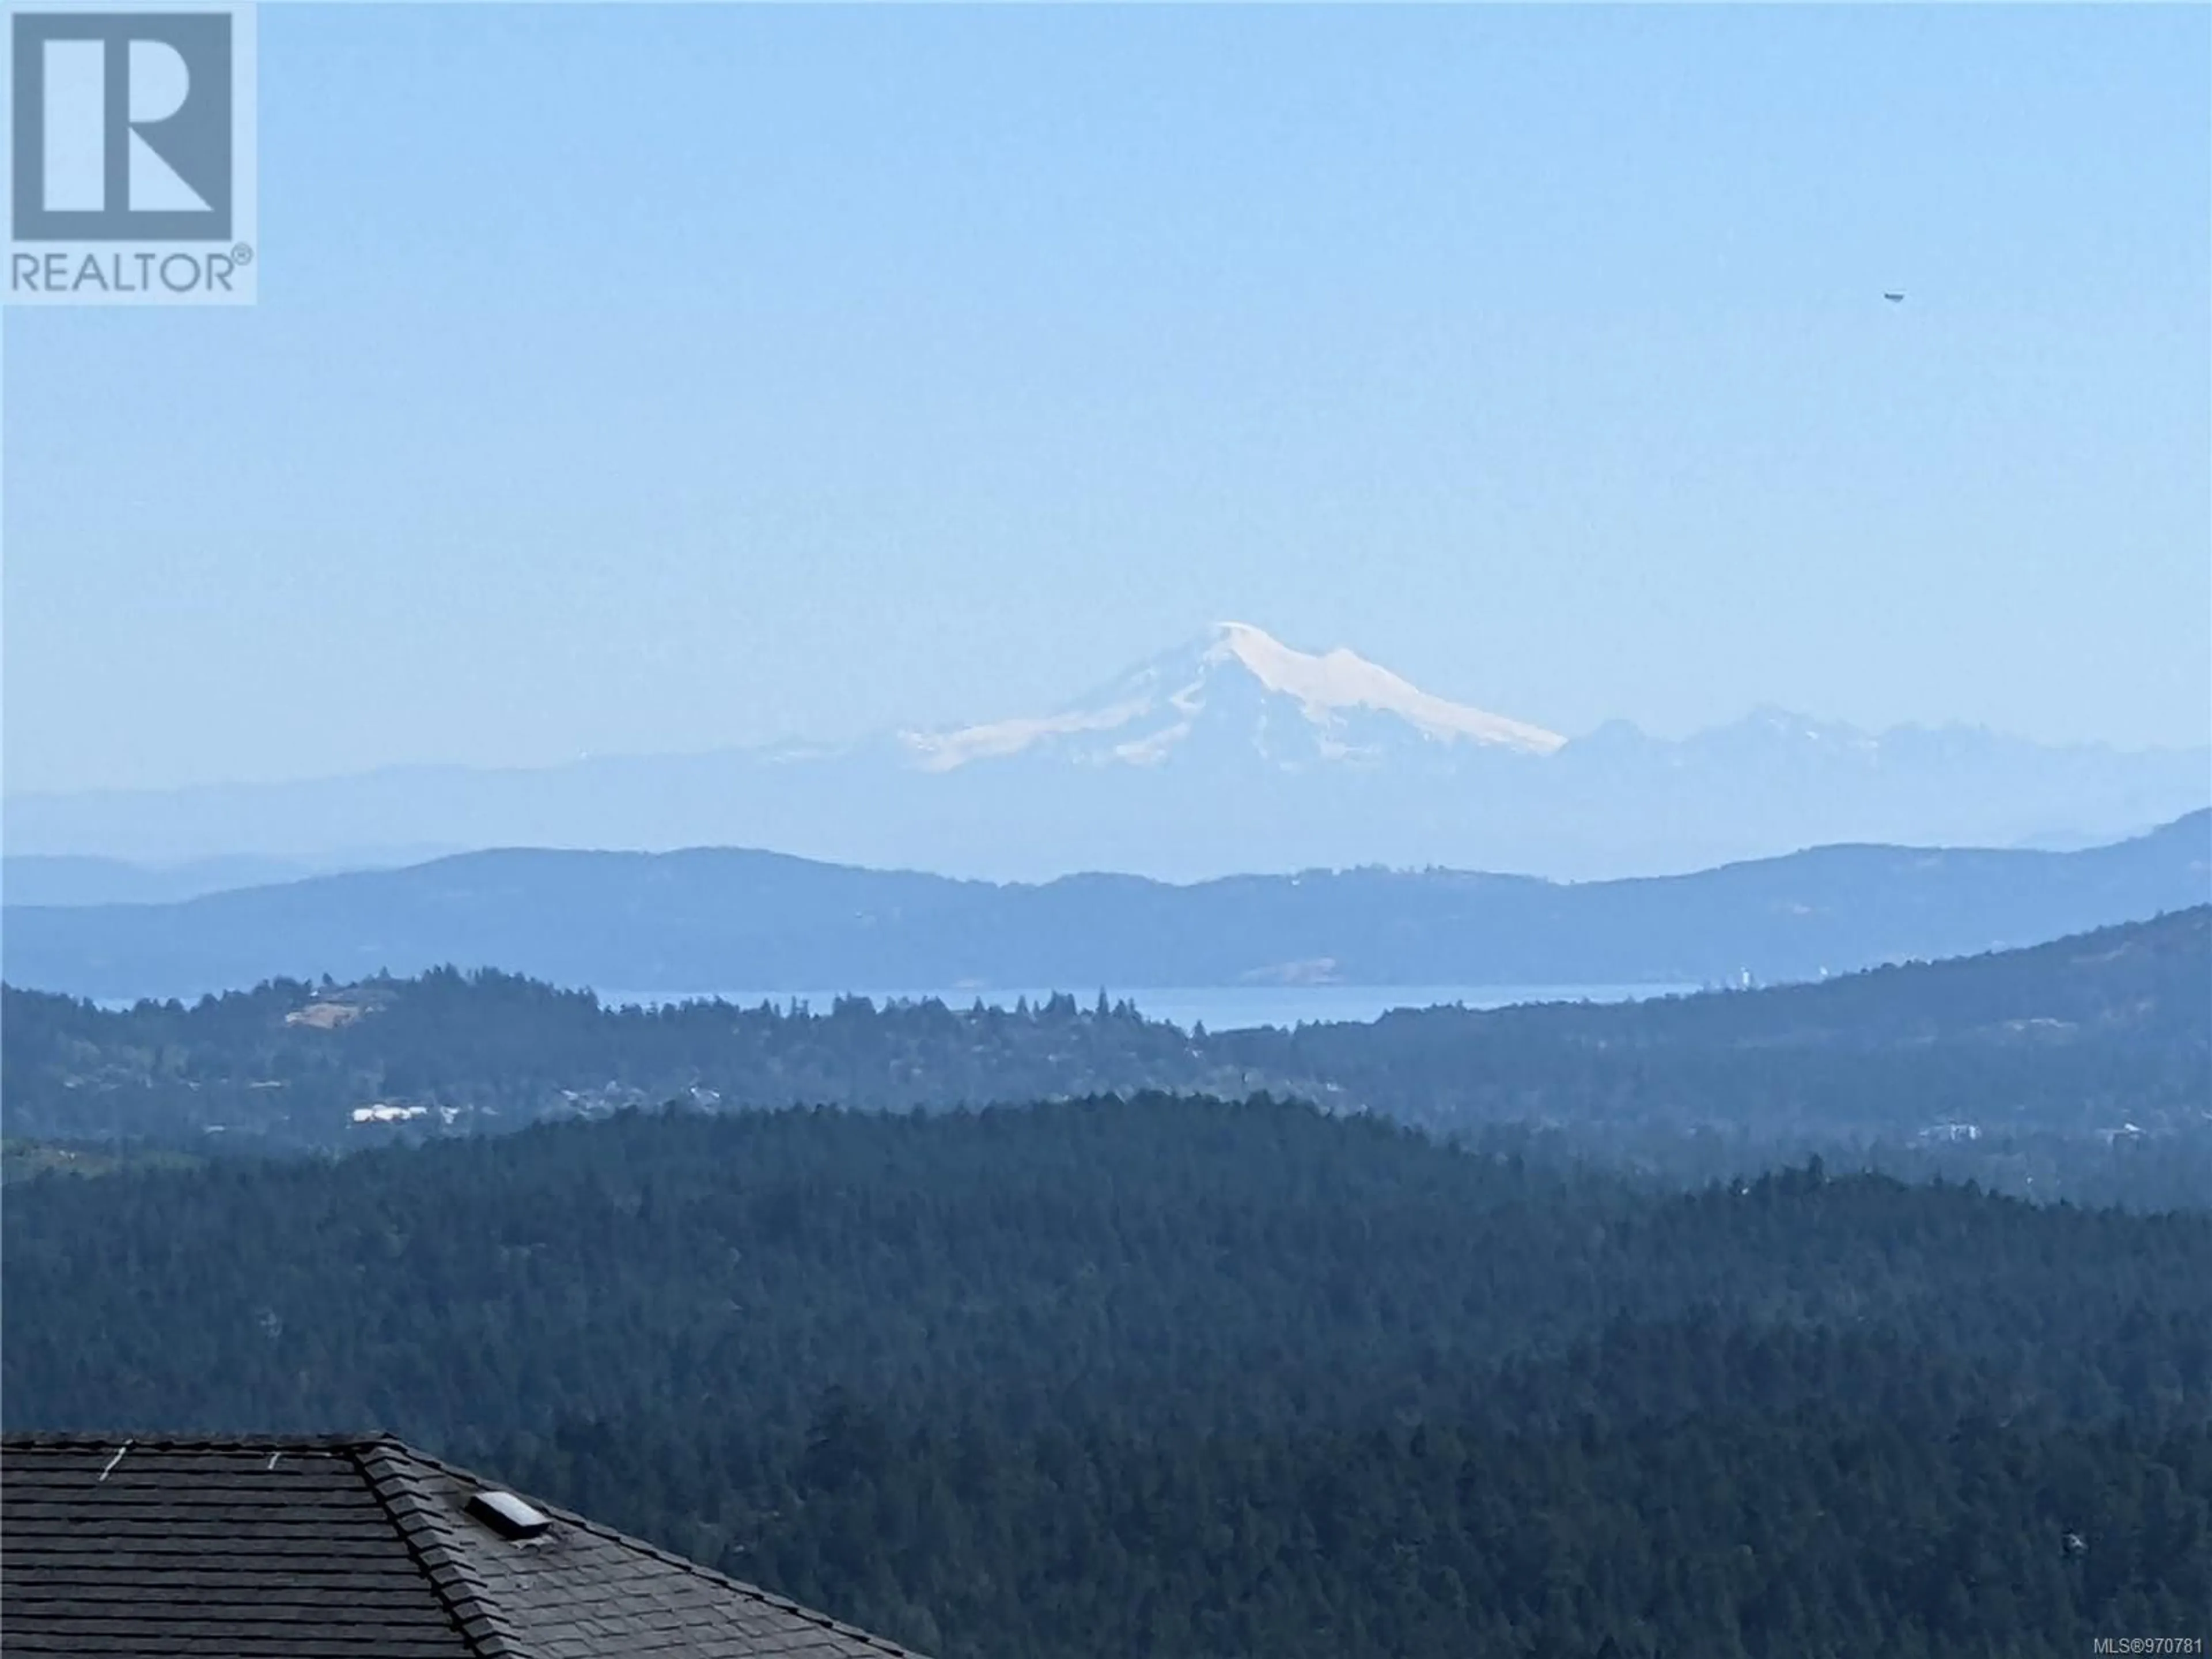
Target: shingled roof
[329,1548]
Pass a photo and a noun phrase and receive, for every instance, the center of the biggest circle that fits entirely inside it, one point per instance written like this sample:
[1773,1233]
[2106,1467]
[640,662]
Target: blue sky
[631,379]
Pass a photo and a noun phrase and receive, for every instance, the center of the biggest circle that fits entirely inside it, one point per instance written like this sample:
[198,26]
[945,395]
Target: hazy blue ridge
[713,917]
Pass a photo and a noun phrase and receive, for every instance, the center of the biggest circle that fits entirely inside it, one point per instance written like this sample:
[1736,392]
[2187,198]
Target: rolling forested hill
[1073,1377]
[2102,1038]
[1174,1375]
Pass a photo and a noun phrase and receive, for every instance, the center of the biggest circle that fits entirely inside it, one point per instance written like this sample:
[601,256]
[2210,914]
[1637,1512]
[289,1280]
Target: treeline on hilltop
[1261,1257]
[2083,1037]
[1176,1374]
[289,1063]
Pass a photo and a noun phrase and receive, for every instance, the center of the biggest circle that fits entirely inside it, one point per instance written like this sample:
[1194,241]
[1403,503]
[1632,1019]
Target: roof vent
[508,1515]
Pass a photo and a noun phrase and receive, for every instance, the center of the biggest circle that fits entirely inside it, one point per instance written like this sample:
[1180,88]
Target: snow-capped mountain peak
[1342,679]
[1237,681]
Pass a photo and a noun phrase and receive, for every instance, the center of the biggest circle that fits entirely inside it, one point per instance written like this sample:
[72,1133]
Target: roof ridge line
[669,1558]
[387,1464]
[44,1439]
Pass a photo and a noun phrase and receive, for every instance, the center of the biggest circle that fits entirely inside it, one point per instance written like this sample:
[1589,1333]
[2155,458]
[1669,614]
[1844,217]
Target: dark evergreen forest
[1171,1375]
[2076,1069]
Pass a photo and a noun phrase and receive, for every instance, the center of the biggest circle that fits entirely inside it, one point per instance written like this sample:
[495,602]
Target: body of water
[1220,1008]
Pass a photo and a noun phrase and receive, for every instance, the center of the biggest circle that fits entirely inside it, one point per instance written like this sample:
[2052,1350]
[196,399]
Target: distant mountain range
[1232,753]
[710,919]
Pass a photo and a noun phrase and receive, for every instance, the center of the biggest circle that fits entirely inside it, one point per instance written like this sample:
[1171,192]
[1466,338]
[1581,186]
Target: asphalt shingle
[338,1548]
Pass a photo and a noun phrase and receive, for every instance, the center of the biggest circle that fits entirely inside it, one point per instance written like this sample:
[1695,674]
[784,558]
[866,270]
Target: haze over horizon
[1234,753]
[1538,356]
[1012,731]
